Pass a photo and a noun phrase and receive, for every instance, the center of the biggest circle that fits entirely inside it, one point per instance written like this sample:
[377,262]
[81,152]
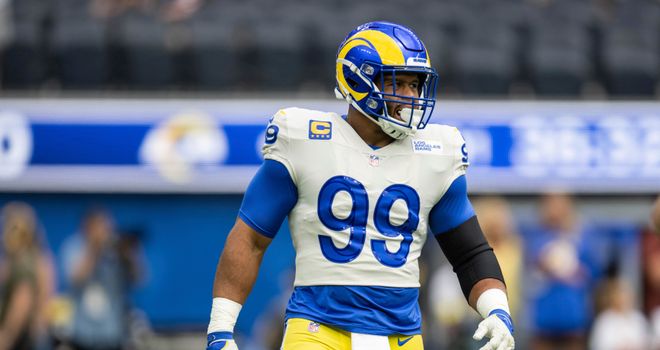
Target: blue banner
[195,146]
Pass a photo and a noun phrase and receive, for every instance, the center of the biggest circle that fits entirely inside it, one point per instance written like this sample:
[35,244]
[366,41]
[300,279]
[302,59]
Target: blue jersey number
[356,221]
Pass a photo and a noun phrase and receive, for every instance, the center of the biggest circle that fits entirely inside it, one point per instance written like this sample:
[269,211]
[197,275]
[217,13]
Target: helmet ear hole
[354,84]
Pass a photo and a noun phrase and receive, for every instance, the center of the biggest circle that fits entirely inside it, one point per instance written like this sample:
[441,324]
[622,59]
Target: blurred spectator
[26,278]
[452,321]
[655,324]
[180,10]
[655,216]
[651,262]
[620,326]
[563,255]
[497,222]
[651,267]
[100,270]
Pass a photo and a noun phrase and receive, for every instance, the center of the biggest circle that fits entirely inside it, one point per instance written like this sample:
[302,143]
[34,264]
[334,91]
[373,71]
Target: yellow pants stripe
[302,334]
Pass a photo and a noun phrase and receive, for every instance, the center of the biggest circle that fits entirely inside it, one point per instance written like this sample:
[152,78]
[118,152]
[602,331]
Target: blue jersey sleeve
[269,198]
[453,209]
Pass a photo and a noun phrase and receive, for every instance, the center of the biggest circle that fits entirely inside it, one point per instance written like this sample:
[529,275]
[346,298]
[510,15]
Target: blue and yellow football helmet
[376,51]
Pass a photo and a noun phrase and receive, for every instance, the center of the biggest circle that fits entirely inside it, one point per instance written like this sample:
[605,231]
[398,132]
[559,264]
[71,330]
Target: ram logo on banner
[182,143]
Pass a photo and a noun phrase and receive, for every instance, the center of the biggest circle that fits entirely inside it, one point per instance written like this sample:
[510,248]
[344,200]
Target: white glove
[499,328]
[221,341]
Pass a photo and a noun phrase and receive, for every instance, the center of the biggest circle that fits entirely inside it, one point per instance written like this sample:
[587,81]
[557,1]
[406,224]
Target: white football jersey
[362,214]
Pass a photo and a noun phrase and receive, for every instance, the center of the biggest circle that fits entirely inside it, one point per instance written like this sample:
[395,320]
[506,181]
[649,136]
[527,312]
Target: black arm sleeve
[470,255]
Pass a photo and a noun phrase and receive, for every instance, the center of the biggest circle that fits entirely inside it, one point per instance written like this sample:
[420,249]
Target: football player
[361,192]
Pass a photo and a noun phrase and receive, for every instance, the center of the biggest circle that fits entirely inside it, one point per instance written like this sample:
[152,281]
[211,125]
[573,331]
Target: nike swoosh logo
[403,342]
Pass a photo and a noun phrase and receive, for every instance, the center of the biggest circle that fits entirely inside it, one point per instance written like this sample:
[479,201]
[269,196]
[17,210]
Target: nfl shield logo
[374,160]
[313,327]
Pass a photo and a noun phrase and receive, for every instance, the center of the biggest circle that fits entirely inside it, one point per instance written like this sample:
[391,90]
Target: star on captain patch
[374,160]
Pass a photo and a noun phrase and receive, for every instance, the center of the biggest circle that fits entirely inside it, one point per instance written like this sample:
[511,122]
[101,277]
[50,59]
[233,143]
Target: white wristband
[224,314]
[490,300]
